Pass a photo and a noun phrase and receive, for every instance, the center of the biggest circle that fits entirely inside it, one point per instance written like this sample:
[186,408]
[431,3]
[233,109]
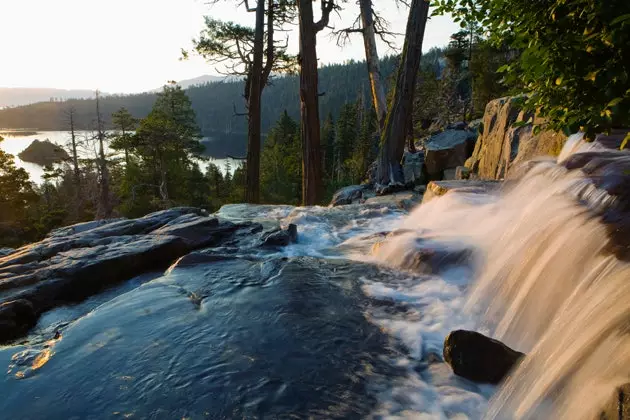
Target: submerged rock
[43,153]
[439,188]
[609,172]
[280,237]
[479,358]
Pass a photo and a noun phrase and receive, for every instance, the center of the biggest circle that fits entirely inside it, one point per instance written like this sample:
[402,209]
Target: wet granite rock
[6,251]
[426,256]
[609,171]
[479,358]
[78,261]
[280,237]
[439,188]
[348,195]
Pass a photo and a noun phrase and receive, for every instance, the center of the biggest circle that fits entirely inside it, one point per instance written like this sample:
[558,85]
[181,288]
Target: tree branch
[327,7]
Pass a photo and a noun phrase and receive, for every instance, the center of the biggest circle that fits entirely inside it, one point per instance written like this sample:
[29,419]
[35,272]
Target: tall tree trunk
[309,99]
[104,208]
[373,63]
[393,137]
[252,194]
[76,207]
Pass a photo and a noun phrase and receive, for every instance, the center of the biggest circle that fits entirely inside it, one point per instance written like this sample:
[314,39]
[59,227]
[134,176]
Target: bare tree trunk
[309,99]
[76,205]
[73,137]
[389,170]
[104,207]
[252,193]
[373,63]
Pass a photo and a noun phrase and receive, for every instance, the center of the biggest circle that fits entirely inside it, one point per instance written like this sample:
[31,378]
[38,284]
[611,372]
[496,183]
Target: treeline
[214,103]
[158,160]
[155,164]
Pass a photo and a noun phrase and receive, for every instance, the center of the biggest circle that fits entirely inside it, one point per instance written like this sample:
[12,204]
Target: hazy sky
[134,45]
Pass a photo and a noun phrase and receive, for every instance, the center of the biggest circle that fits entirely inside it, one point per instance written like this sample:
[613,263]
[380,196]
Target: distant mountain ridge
[25,96]
[197,81]
[11,97]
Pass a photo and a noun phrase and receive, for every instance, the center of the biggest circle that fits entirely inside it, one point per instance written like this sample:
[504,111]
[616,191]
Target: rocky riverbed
[334,312]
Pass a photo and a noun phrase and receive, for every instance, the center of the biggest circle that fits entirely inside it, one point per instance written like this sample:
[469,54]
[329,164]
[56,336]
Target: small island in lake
[43,153]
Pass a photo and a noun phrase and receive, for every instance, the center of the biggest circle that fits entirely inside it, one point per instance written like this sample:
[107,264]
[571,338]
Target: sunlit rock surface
[75,262]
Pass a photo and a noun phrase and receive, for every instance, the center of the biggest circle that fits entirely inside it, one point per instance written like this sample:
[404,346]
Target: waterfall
[544,285]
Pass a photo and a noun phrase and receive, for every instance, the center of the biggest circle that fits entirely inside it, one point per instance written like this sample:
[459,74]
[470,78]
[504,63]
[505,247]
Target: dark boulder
[348,195]
[479,358]
[43,153]
[448,150]
[280,237]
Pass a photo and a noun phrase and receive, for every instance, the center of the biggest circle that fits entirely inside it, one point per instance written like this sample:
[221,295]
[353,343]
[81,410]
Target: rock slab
[508,139]
[78,261]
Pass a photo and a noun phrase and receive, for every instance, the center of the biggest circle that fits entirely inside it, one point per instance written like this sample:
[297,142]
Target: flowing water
[350,322]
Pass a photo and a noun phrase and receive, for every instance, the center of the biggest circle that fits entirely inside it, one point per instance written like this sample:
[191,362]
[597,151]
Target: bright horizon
[129,46]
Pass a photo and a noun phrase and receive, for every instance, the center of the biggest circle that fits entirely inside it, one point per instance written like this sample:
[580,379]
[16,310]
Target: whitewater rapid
[539,280]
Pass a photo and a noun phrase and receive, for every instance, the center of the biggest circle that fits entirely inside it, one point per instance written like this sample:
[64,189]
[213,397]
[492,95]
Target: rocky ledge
[439,188]
[78,261]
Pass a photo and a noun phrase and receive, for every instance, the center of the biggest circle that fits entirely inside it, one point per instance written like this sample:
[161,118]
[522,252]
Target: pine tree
[281,170]
[328,146]
[345,139]
[168,139]
[124,123]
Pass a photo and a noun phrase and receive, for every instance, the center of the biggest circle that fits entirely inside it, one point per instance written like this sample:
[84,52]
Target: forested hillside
[214,103]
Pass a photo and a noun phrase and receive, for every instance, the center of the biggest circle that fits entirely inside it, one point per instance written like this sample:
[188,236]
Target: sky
[127,46]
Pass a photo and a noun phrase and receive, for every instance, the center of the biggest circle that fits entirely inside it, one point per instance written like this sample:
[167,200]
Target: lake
[15,142]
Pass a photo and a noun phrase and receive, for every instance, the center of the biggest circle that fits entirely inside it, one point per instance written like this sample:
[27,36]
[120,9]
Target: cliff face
[503,143]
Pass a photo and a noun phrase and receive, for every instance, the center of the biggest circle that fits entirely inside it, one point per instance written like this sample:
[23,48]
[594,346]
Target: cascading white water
[543,286]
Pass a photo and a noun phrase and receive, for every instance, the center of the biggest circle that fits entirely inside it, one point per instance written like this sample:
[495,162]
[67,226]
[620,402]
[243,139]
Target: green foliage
[124,123]
[17,200]
[574,56]
[281,163]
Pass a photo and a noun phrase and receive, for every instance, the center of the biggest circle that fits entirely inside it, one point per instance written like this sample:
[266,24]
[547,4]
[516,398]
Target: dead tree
[104,210]
[370,25]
